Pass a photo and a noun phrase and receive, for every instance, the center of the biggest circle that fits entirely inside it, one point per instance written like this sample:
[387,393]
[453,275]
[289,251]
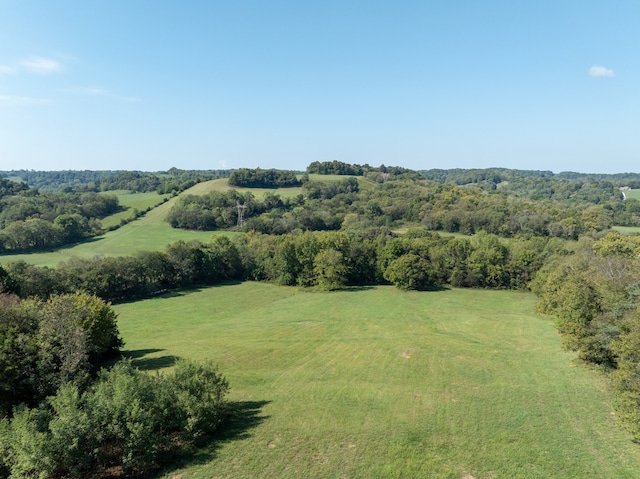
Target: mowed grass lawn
[633,194]
[379,383]
[131,201]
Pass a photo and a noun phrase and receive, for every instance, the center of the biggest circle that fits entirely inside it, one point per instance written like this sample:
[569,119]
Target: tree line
[30,220]
[327,259]
[258,178]
[595,296]
[341,168]
[163,182]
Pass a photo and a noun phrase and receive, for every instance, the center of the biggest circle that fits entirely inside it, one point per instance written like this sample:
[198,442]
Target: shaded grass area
[383,383]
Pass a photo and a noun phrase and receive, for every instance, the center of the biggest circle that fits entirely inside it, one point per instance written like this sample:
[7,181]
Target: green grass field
[223,185]
[632,194]
[131,201]
[379,383]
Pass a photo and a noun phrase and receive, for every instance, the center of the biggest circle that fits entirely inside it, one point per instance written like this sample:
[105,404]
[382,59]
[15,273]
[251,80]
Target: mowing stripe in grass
[384,383]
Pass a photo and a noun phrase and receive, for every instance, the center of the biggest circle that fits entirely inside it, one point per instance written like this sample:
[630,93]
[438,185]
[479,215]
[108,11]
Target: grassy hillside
[131,201]
[382,383]
[150,232]
[223,185]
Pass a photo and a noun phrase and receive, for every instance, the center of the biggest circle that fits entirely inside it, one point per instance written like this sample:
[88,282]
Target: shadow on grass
[139,361]
[356,289]
[55,249]
[177,293]
[437,288]
[242,417]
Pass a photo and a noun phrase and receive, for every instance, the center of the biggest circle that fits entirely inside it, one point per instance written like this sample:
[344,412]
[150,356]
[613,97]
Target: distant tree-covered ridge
[340,168]
[258,178]
[536,185]
[344,204]
[173,179]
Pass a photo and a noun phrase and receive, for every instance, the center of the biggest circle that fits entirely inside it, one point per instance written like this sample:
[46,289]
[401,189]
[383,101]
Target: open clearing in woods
[150,232]
[376,382]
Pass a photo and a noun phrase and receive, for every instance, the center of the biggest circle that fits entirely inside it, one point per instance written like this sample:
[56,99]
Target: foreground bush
[128,423]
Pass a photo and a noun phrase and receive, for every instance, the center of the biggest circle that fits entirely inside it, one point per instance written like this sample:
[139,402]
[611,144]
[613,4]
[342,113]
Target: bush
[128,421]
[410,271]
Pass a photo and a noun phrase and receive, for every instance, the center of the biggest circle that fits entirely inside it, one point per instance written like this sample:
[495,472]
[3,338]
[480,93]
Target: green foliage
[127,420]
[198,397]
[327,190]
[44,345]
[217,209]
[33,221]
[8,284]
[626,377]
[257,178]
[595,295]
[410,271]
[330,270]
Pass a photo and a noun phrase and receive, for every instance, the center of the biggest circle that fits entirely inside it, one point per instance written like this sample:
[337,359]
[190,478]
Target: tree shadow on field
[241,418]
[180,292]
[436,288]
[356,289]
[138,360]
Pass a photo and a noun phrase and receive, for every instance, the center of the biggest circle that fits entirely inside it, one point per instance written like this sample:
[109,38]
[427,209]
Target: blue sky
[124,84]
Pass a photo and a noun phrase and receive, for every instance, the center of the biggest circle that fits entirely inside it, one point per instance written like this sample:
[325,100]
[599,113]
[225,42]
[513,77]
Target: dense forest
[495,228]
[173,179]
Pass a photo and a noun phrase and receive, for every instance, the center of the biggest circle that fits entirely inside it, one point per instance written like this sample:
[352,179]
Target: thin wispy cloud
[599,71]
[41,66]
[91,91]
[6,70]
[14,100]
[102,92]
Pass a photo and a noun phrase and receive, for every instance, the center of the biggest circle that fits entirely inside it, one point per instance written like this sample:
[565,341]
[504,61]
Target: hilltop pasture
[376,382]
[131,202]
[150,232]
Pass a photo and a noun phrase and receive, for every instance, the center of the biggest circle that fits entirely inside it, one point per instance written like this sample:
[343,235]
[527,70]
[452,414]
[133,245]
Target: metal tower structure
[241,209]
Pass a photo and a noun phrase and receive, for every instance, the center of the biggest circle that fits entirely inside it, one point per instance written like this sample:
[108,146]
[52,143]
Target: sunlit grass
[633,194]
[131,202]
[383,383]
[148,233]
